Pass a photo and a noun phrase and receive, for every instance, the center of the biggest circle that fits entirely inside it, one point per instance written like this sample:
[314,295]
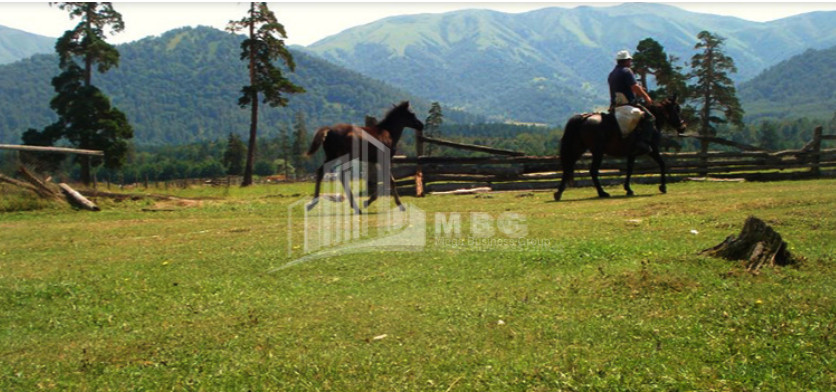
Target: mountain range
[537,67]
[183,87]
[17,45]
[542,65]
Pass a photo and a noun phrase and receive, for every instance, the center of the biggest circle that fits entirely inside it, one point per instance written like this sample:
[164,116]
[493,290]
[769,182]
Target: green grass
[619,299]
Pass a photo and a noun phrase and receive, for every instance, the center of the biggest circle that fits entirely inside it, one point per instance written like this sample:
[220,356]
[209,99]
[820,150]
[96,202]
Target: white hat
[623,55]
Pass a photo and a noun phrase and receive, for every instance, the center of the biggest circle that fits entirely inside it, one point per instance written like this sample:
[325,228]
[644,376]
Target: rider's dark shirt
[621,80]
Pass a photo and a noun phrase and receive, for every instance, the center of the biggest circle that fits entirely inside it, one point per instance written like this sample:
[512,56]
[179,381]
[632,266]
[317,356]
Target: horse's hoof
[663,189]
[603,195]
[311,205]
[630,193]
[557,196]
[366,204]
[401,207]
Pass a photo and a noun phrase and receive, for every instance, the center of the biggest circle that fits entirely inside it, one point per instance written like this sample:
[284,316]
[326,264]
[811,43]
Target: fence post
[815,168]
[419,152]
[703,162]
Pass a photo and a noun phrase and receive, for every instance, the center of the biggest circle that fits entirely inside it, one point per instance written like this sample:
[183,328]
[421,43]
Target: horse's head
[669,111]
[403,115]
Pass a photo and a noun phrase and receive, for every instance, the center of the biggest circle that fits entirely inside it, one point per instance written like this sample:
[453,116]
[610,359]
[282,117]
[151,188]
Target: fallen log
[757,244]
[76,198]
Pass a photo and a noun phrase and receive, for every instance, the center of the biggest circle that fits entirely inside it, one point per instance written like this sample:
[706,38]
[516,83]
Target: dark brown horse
[600,134]
[374,143]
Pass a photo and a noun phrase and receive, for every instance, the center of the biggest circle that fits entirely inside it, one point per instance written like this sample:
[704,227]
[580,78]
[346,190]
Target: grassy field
[189,298]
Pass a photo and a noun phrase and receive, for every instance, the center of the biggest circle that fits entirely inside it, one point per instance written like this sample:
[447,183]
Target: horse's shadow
[616,197]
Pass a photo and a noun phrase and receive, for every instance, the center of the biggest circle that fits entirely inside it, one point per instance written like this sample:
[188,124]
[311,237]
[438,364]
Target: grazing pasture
[181,296]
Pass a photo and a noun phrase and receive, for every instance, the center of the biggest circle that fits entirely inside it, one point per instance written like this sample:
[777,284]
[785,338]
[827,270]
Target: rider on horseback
[624,91]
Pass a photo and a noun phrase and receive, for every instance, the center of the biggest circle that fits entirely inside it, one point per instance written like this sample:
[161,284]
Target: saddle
[628,118]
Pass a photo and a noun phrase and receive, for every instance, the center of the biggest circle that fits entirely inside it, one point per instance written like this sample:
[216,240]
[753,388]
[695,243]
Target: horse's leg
[568,167]
[319,174]
[371,184]
[658,158]
[394,191]
[345,179]
[597,158]
[631,160]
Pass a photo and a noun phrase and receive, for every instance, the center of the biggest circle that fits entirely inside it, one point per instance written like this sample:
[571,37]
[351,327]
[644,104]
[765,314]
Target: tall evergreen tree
[714,90]
[300,143]
[263,45]
[432,125]
[650,58]
[234,155]
[85,115]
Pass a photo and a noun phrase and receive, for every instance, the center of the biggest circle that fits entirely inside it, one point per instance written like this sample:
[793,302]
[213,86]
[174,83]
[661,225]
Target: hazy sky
[309,22]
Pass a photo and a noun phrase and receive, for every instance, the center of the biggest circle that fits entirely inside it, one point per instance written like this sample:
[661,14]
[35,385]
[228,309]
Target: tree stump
[758,244]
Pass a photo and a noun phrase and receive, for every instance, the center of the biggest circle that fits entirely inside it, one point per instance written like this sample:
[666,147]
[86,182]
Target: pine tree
[233,159]
[263,46]
[85,115]
[432,125]
[714,90]
[650,58]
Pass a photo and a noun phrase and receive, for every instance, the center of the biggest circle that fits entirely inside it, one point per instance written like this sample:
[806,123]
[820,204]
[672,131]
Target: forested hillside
[543,65]
[183,87]
[803,86]
[16,44]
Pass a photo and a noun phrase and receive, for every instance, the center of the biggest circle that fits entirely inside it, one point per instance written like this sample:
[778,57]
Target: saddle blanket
[628,118]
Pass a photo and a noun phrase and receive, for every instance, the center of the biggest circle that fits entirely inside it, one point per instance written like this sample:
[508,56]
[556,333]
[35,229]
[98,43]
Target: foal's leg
[345,179]
[394,191]
[319,174]
[658,158]
[371,184]
[631,160]
[597,158]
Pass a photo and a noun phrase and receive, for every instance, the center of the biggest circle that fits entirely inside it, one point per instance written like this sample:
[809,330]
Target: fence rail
[416,175]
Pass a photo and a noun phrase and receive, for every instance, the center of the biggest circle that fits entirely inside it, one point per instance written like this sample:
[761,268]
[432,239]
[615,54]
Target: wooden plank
[59,150]
[77,199]
[471,147]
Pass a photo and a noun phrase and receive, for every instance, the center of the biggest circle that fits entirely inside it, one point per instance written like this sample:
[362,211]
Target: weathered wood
[757,244]
[45,190]
[21,184]
[470,147]
[815,166]
[58,150]
[77,199]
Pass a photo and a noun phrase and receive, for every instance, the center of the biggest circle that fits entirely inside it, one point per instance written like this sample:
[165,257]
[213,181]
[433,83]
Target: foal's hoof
[663,189]
[557,196]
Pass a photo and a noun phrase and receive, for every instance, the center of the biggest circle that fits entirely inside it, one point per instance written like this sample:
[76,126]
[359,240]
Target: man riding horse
[625,90]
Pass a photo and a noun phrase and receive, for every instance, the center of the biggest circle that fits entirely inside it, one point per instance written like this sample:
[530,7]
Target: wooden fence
[508,170]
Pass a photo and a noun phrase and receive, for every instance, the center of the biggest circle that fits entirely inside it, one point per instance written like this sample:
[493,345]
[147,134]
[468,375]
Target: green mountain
[802,86]
[543,65]
[184,86]
[16,45]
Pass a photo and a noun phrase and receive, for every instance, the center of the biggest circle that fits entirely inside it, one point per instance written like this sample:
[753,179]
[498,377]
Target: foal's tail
[319,137]
[568,145]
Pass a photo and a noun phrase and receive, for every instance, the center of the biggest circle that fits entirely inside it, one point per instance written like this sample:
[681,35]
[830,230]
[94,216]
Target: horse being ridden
[600,134]
[341,140]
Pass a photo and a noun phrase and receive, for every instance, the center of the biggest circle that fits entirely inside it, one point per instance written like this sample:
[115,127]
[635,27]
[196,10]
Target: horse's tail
[571,137]
[319,138]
